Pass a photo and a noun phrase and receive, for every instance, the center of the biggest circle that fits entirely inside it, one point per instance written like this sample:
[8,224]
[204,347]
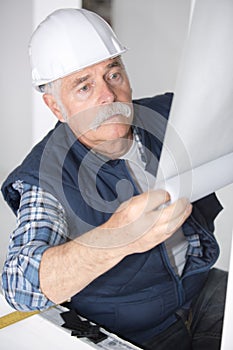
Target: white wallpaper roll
[197,157]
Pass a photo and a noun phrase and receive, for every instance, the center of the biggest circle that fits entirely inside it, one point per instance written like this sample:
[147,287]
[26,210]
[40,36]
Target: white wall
[15,92]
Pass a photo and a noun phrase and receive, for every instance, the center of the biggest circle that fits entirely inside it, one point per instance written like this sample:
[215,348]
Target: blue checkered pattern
[41,224]
[191,231]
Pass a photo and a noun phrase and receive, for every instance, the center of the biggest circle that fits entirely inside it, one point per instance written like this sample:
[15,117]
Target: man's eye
[84,88]
[114,75]
[115,78]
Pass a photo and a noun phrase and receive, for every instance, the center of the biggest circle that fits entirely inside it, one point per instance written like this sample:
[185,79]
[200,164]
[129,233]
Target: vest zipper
[177,279]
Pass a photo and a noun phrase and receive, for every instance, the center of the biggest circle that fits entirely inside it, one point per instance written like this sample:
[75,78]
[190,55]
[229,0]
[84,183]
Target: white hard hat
[69,40]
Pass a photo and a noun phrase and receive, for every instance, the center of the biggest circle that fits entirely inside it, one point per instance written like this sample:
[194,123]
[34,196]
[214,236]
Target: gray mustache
[107,111]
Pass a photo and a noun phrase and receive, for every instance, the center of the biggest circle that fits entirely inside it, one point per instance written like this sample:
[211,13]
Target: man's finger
[172,216]
[175,209]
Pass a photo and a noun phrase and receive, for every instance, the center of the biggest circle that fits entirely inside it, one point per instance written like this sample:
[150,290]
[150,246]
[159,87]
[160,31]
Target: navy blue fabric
[137,298]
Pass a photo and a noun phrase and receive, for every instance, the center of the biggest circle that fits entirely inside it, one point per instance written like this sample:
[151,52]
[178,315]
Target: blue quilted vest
[136,299]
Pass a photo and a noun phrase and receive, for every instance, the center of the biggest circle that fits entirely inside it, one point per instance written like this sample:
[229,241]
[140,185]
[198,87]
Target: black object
[82,329]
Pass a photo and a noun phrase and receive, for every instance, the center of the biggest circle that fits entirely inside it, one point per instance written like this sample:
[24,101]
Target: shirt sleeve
[41,223]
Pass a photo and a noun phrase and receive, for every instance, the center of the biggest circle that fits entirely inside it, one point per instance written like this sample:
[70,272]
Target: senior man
[90,228]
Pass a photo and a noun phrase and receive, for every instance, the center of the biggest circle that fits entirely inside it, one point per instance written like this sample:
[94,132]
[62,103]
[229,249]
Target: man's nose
[106,93]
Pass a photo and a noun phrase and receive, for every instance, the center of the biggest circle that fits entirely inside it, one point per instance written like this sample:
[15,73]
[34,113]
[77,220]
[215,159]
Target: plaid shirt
[41,224]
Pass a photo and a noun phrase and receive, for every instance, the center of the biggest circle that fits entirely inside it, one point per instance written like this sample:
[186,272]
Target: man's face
[83,94]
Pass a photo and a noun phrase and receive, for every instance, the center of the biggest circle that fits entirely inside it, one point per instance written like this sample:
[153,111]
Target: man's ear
[53,106]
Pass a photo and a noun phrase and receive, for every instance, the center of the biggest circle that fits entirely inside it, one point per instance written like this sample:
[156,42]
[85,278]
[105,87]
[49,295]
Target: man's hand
[140,224]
